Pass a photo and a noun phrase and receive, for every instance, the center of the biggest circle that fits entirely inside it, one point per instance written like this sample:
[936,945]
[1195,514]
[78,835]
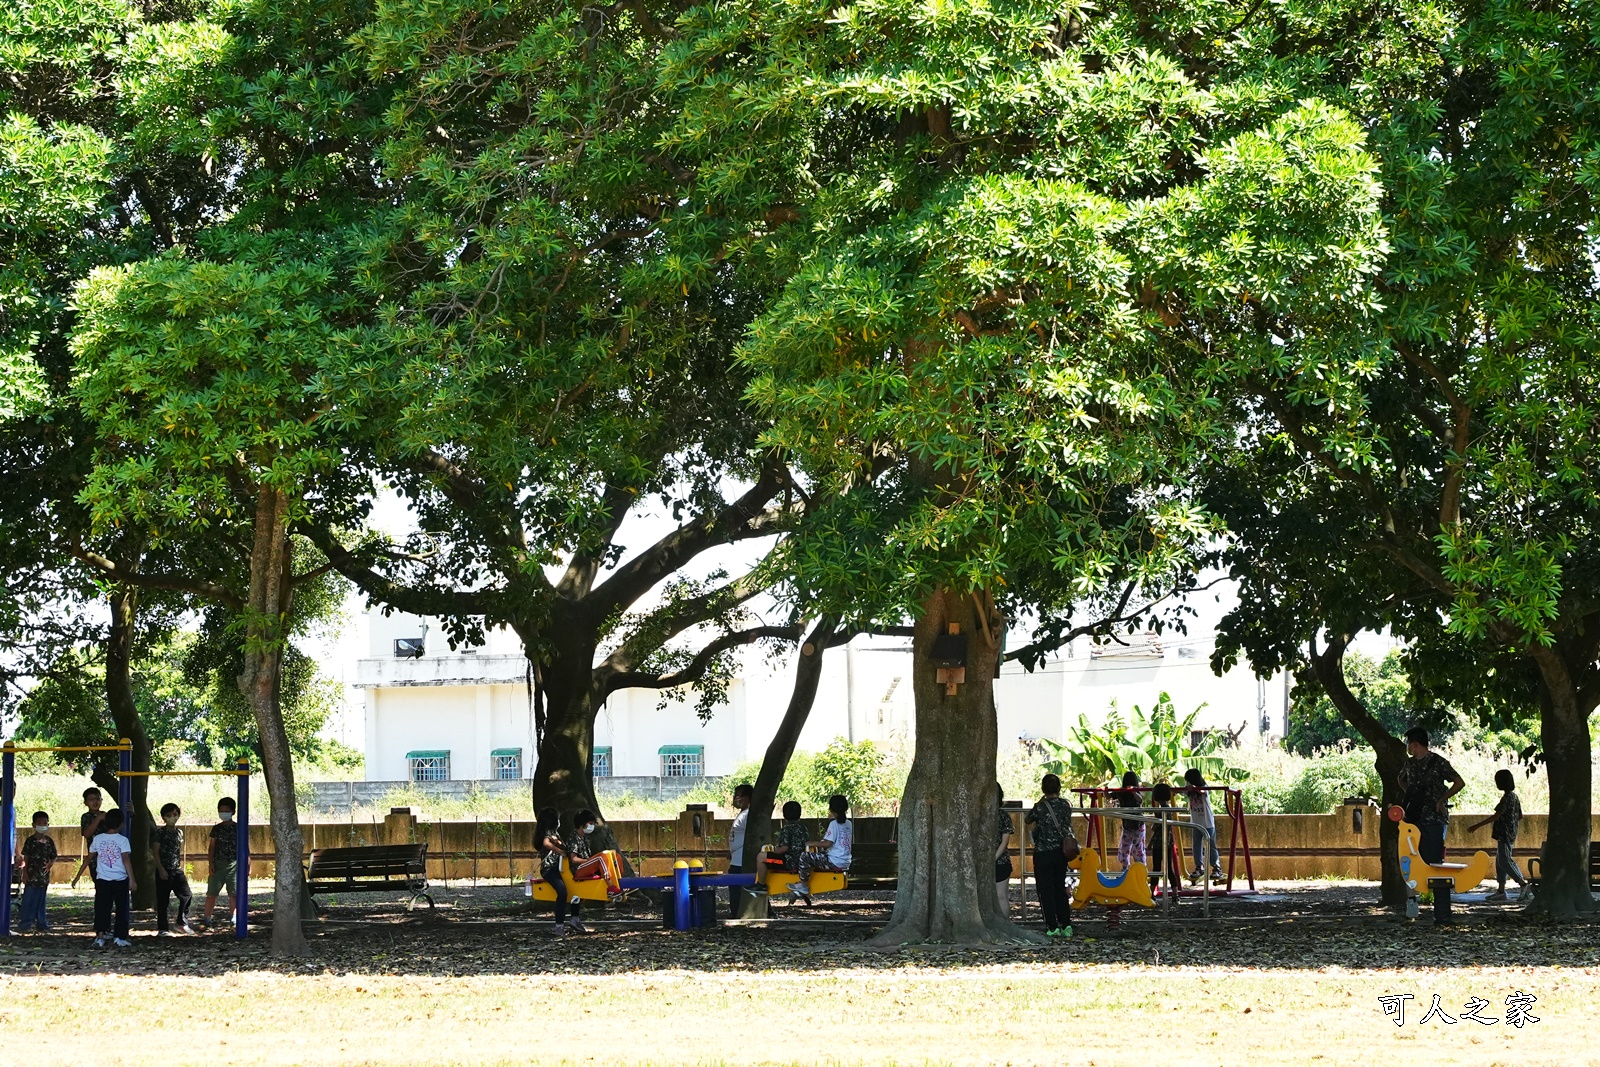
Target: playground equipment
[1096,805]
[777,879]
[1417,871]
[1131,886]
[587,886]
[691,887]
[125,775]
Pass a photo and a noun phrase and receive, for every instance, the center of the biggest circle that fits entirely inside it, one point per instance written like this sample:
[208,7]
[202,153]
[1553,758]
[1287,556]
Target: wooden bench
[1534,864]
[370,869]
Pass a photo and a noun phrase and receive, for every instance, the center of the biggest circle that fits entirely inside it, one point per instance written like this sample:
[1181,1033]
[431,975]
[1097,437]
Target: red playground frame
[1095,797]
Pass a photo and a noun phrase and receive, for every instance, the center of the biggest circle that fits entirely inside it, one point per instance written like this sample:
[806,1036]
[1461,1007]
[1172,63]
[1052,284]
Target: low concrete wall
[340,798]
[1282,847]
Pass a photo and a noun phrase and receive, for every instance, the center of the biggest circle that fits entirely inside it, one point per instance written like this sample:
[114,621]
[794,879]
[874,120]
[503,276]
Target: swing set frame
[125,776]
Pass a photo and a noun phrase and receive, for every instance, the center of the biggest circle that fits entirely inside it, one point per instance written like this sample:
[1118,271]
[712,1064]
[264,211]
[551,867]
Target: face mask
[589,829]
[40,829]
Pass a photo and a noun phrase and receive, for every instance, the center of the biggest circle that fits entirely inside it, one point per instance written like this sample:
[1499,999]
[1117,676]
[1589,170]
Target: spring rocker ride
[1095,886]
[1417,871]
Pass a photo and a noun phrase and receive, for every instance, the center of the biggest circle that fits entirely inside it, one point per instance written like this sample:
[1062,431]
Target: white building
[445,715]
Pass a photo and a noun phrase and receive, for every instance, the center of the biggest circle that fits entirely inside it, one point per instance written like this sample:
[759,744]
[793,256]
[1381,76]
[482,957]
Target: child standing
[88,827]
[167,848]
[1204,822]
[1131,847]
[1160,848]
[37,855]
[112,881]
[222,856]
[1506,818]
[1002,855]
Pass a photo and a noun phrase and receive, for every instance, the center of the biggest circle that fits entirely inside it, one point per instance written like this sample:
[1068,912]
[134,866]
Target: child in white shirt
[840,836]
[113,880]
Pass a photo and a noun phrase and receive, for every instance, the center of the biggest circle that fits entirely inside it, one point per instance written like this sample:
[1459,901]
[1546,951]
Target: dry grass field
[481,983]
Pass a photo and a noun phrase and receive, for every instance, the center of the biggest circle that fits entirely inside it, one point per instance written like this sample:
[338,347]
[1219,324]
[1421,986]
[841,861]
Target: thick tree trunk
[1564,735]
[125,716]
[775,762]
[1389,752]
[266,616]
[563,777]
[950,808]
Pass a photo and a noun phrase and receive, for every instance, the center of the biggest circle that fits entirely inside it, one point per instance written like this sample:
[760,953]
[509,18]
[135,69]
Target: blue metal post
[680,895]
[125,802]
[241,887]
[8,831]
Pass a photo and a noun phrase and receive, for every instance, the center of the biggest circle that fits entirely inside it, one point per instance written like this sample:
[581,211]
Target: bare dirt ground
[1292,976]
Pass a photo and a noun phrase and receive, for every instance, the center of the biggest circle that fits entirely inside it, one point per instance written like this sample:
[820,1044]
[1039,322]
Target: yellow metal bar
[169,774]
[66,748]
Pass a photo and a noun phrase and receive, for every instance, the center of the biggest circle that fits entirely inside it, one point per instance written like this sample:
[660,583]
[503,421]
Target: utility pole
[850,691]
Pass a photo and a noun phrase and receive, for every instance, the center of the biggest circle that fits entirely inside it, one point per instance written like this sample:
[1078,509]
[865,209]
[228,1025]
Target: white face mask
[39,829]
[589,829]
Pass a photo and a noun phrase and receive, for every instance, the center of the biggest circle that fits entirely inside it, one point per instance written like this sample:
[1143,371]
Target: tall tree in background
[1447,452]
[201,369]
[986,213]
[563,365]
[80,185]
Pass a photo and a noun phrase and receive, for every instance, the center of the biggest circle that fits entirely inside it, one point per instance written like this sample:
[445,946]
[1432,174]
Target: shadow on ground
[491,931]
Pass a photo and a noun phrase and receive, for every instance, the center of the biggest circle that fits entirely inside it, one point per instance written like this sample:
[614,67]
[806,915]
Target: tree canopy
[1002,314]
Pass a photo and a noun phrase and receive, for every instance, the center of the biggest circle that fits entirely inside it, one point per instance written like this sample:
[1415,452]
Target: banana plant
[1156,746]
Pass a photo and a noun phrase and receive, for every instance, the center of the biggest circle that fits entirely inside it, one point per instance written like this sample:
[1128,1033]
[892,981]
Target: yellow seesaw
[1132,886]
[594,886]
[777,880]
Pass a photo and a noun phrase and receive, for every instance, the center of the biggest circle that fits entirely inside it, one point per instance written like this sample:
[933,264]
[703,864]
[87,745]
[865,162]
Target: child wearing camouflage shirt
[171,881]
[792,846]
[38,856]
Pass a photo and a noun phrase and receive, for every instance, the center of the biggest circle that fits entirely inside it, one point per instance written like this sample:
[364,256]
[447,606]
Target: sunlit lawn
[481,983]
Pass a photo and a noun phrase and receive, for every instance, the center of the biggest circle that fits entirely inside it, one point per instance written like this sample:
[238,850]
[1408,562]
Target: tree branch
[150,579]
[696,668]
[585,563]
[652,634]
[1120,614]
[438,602]
[745,517]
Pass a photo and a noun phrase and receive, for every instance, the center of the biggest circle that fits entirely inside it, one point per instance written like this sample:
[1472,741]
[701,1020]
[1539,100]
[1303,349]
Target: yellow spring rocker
[1417,871]
[1132,886]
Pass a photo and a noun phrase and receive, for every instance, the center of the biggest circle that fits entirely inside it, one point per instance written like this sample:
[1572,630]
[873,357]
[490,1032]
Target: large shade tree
[993,216]
[199,369]
[83,182]
[1447,454]
[558,363]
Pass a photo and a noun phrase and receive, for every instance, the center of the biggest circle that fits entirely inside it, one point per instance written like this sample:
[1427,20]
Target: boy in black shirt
[166,845]
[89,826]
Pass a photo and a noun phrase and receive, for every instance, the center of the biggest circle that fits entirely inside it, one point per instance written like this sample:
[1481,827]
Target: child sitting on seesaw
[588,854]
[794,844]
